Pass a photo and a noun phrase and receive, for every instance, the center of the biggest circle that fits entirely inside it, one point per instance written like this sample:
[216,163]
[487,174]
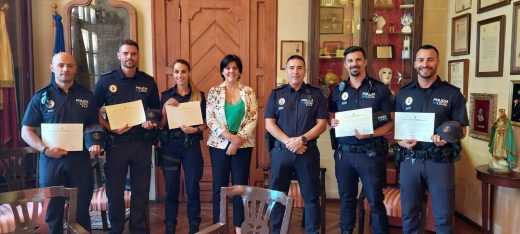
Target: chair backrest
[258,204]
[12,163]
[33,221]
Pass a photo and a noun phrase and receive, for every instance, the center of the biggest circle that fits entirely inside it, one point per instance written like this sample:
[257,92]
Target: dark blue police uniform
[180,148]
[132,148]
[363,158]
[296,113]
[52,105]
[419,170]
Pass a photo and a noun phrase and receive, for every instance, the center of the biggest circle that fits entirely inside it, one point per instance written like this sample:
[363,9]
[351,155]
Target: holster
[333,140]
[269,141]
[399,155]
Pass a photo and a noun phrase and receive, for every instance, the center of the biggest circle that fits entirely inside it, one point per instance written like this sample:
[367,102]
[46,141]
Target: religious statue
[502,145]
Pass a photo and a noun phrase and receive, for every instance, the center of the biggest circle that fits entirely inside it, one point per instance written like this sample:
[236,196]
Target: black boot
[194,226]
[170,228]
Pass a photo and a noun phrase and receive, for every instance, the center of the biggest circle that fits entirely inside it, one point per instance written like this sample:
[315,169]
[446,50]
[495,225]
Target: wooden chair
[27,218]
[294,192]
[99,200]
[18,167]
[258,204]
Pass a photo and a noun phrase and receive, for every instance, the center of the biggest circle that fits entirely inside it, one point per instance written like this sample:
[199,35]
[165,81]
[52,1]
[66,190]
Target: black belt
[310,144]
[419,154]
[172,135]
[127,138]
[356,148]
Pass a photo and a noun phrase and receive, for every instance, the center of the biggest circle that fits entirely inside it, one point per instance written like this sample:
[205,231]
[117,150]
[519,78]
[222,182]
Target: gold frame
[491,114]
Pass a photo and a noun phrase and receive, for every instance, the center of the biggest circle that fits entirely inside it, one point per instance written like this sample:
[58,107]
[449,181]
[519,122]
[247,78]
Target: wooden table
[491,180]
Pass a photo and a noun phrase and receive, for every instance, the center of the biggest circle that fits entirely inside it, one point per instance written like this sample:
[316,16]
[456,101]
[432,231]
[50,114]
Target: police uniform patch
[408,101]
[50,104]
[96,136]
[446,129]
[150,114]
[344,96]
[112,88]
[281,101]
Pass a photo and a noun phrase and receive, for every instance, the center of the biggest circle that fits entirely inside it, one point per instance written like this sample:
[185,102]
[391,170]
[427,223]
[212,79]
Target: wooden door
[202,32]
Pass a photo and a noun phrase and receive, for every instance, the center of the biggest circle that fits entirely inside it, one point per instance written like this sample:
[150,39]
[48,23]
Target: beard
[354,73]
[428,75]
[129,64]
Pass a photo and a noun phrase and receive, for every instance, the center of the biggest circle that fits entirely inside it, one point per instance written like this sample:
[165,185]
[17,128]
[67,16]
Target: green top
[234,115]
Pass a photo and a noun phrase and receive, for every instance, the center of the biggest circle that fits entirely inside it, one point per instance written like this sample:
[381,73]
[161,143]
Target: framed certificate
[460,34]
[458,74]
[490,47]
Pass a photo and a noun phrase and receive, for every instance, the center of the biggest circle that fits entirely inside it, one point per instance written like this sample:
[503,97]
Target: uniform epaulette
[312,86]
[405,86]
[108,73]
[280,86]
[146,75]
[450,85]
[376,80]
[44,88]
[166,91]
[83,87]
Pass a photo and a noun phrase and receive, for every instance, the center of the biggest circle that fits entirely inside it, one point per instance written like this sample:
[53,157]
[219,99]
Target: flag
[9,122]
[59,41]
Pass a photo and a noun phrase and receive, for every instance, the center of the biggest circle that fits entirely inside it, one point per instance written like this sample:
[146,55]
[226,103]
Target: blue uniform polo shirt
[371,93]
[441,98]
[296,112]
[52,105]
[114,88]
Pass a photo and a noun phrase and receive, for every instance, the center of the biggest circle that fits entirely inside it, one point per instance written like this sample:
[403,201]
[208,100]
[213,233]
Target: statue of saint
[502,145]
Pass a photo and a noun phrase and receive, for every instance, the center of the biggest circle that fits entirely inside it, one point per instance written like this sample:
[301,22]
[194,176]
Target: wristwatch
[44,149]
[304,140]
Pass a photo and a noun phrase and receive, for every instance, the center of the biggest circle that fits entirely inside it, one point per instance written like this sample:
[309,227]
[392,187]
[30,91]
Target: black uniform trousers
[350,167]
[306,169]
[72,171]
[439,178]
[192,163]
[137,155]
[221,166]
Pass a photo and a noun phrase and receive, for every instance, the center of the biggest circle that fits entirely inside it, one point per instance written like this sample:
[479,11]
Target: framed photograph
[486,5]
[482,114]
[515,48]
[458,74]
[490,47]
[384,51]
[462,5]
[460,34]
[330,47]
[331,20]
[289,48]
[514,115]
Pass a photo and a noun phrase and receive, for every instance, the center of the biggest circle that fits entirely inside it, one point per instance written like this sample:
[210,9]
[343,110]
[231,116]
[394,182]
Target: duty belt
[172,135]
[356,148]
[127,138]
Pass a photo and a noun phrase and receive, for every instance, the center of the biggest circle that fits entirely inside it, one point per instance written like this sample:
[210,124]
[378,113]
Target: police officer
[429,164]
[296,115]
[182,146]
[129,145]
[62,101]
[361,156]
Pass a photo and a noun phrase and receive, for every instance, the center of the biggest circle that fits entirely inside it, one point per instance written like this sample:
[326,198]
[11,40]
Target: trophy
[406,21]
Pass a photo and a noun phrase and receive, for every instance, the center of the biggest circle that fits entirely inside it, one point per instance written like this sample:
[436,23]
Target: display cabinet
[386,29]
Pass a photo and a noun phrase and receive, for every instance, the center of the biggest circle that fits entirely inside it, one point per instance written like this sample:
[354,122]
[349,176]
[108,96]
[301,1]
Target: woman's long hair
[195,92]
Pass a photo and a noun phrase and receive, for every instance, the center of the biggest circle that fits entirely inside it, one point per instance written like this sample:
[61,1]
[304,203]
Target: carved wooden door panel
[202,32]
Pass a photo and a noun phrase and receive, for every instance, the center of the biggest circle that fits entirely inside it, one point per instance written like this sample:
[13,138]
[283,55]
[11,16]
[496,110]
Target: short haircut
[230,58]
[128,42]
[428,47]
[183,62]
[353,49]
[295,56]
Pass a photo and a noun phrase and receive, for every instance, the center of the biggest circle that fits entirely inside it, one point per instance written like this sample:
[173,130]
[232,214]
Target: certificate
[413,125]
[66,136]
[131,113]
[186,113]
[349,121]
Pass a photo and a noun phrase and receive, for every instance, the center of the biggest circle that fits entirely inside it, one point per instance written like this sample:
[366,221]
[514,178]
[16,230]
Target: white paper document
[131,113]
[66,136]
[413,125]
[186,113]
[349,121]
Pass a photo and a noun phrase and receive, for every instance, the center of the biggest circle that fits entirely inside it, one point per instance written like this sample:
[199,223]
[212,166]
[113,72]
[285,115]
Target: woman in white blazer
[231,115]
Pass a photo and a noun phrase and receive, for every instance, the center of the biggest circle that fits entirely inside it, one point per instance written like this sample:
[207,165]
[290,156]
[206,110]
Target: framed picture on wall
[515,47]
[458,75]
[482,113]
[486,5]
[330,47]
[514,115]
[462,5]
[288,49]
[460,34]
[331,20]
[384,51]
[490,47]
